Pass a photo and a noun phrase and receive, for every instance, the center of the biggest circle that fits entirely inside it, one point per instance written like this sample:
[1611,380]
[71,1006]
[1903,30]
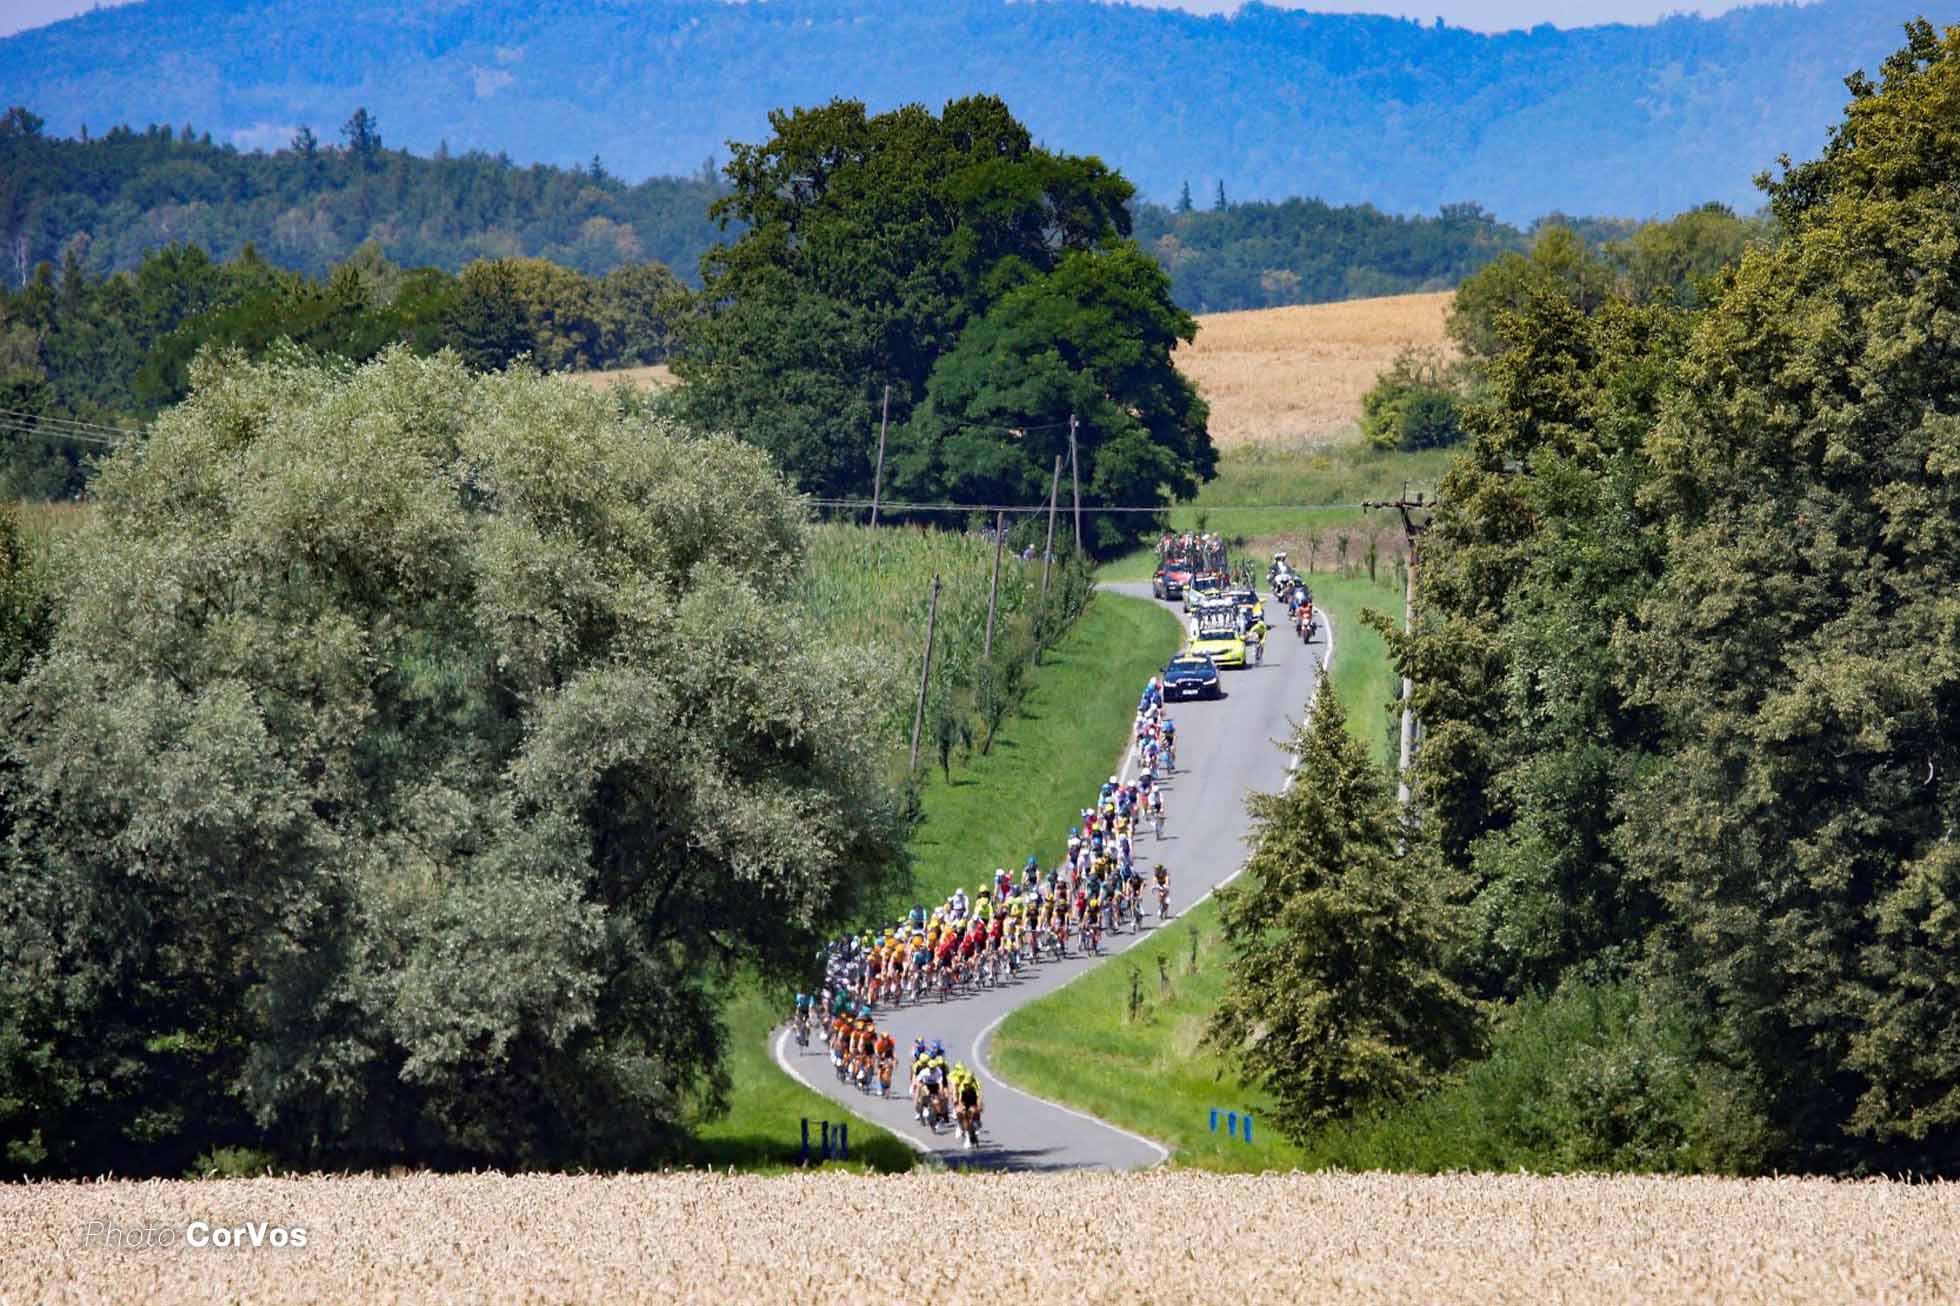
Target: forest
[1686,660]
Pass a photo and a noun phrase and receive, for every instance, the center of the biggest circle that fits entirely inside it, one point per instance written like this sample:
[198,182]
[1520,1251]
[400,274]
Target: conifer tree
[1337,999]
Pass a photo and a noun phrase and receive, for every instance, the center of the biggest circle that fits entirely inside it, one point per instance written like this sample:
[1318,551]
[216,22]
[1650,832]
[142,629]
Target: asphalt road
[1225,748]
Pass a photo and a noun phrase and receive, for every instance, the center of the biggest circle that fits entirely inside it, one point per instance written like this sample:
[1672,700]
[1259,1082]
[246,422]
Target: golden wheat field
[1288,374]
[656,377]
[947,1238]
[1270,374]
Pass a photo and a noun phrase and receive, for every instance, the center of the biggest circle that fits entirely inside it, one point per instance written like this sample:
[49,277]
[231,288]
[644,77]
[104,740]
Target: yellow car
[1222,644]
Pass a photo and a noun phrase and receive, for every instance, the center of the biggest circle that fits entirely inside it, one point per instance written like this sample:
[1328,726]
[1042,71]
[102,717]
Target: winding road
[1225,748]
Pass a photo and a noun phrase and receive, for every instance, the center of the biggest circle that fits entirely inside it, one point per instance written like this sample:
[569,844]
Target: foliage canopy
[408,765]
[1689,658]
[877,250]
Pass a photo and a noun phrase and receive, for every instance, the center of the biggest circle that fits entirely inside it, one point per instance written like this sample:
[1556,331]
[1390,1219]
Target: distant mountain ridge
[1637,121]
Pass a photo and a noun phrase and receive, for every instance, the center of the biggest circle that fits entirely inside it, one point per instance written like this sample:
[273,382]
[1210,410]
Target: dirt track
[1185,1237]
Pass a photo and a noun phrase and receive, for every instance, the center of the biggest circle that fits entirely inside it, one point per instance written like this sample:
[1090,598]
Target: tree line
[114,350]
[1419,402]
[1686,663]
[114,199]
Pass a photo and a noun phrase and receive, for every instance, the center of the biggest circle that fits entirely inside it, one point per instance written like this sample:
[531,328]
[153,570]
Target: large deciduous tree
[409,762]
[873,245]
[1092,340]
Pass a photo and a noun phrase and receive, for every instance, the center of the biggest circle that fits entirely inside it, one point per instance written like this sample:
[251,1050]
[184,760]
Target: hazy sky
[1484,15]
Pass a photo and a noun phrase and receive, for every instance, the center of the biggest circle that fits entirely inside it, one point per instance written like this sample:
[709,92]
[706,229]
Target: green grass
[1079,1046]
[1022,798]
[1363,676]
[761,1129]
[997,809]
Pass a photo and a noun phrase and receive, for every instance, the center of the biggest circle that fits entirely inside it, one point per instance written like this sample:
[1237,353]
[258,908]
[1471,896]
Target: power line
[69,423]
[888,505]
[23,429]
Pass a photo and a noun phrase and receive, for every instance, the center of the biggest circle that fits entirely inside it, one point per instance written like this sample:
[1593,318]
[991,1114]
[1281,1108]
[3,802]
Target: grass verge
[997,809]
[1079,1045]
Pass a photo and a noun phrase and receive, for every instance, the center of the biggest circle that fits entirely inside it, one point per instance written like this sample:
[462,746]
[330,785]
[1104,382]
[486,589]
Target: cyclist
[1162,875]
[1157,811]
[886,1052]
[966,1095]
[1259,639]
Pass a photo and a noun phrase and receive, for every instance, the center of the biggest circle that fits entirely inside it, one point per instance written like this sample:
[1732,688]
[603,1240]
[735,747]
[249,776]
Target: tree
[363,137]
[1337,999]
[640,302]
[19,124]
[1218,204]
[1689,664]
[1184,204]
[24,602]
[1092,340]
[376,801]
[1799,827]
[1415,404]
[1559,264]
[305,143]
[869,244]
[485,325]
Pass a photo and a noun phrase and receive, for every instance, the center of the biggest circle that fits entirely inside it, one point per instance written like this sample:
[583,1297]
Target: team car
[1201,589]
[1170,580]
[1191,675]
[1215,635]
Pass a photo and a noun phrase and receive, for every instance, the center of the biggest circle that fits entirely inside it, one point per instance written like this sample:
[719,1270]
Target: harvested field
[1299,373]
[816,1237]
[657,377]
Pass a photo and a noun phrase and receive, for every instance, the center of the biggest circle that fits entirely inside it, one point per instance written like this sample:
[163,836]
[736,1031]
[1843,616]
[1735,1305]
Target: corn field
[872,589]
[829,1236]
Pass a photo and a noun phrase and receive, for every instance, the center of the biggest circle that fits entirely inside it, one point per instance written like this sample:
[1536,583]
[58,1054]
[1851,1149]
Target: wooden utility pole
[878,473]
[925,673]
[993,586]
[1048,556]
[1075,475]
[1406,506]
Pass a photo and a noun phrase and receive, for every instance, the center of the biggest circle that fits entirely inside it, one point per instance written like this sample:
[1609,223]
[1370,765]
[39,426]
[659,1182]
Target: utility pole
[925,674]
[878,473]
[993,586]
[1048,556]
[1405,505]
[1075,475]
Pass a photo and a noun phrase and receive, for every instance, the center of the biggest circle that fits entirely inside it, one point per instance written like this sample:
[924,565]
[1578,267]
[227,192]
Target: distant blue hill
[1636,121]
